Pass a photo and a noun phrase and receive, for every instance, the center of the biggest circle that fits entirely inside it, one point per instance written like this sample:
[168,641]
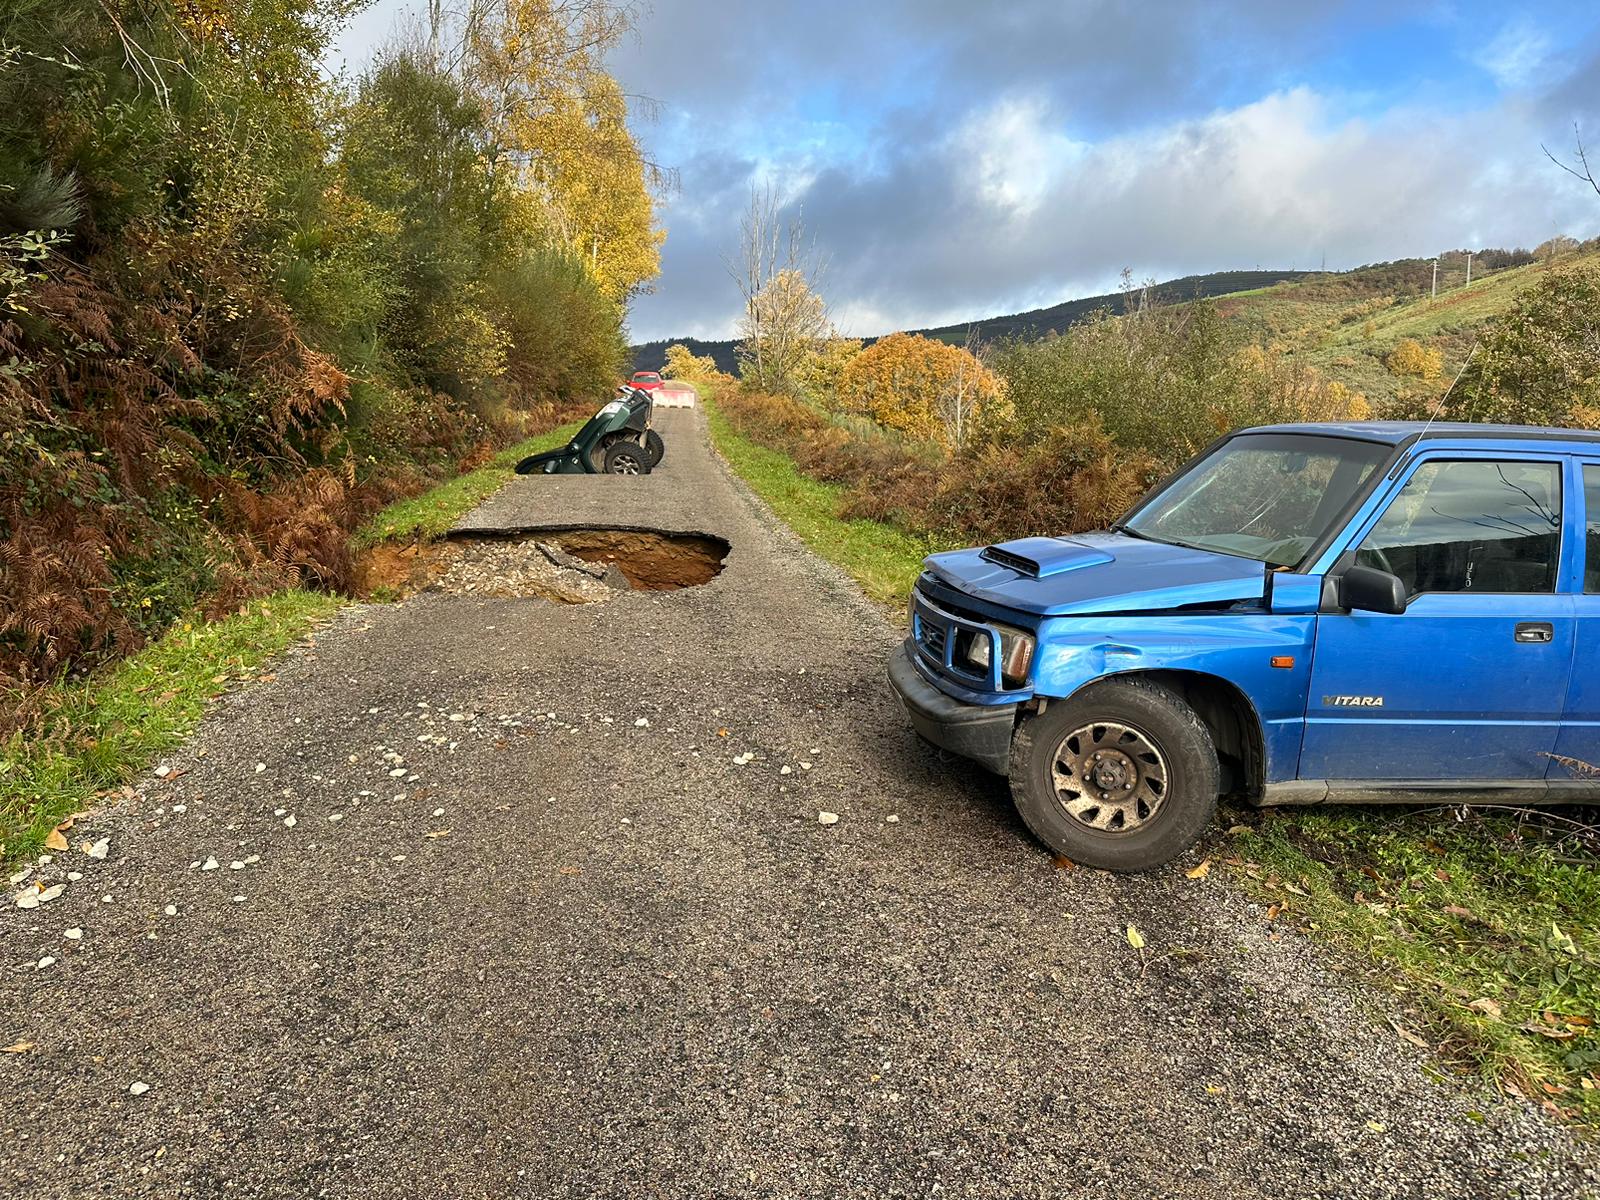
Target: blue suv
[1370,612]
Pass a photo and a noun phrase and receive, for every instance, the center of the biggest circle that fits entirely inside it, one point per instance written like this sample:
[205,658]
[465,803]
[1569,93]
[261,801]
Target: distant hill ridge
[1289,305]
[1036,323]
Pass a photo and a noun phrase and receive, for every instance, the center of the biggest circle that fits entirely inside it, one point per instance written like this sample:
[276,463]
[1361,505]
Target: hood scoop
[1042,557]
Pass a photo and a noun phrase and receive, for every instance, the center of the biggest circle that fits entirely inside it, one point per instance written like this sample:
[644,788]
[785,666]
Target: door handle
[1535,632]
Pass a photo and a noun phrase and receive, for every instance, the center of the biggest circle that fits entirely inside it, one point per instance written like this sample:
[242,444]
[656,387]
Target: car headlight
[1016,653]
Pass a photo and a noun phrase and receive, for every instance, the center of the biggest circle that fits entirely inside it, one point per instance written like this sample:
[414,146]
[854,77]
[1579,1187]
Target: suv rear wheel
[1122,776]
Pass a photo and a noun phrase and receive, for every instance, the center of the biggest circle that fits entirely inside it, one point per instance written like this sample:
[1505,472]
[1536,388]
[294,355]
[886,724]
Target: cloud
[1516,55]
[1006,212]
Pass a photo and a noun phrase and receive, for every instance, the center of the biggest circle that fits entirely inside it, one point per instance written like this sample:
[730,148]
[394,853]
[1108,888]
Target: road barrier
[668,396]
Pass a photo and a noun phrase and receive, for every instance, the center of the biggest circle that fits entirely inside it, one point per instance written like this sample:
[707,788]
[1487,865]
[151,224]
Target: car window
[1472,527]
[1591,510]
[1263,496]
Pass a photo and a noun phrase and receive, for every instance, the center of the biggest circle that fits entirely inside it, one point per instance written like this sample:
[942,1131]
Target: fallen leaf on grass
[1550,1031]
[16,1048]
[1455,910]
[55,840]
[1135,938]
[1199,872]
[1488,1007]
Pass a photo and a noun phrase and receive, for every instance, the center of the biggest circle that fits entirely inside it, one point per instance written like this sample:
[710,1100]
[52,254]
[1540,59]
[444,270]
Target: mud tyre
[1122,777]
[626,458]
[654,448]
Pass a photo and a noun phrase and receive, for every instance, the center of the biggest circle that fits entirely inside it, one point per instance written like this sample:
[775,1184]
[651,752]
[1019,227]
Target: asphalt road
[633,963]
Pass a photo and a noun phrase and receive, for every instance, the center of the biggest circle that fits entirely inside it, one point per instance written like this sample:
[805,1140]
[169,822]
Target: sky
[952,160]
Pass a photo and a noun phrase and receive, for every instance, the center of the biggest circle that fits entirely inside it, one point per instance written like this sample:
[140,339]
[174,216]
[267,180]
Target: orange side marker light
[1283,661]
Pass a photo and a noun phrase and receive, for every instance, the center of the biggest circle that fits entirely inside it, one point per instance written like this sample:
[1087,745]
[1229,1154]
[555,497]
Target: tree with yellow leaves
[685,364]
[822,371]
[557,121]
[923,388]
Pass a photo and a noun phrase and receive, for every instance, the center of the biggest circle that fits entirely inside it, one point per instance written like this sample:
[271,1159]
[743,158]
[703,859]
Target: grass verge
[1484,922]
[103,730]
[882,559]
[429,515]
[1488,925]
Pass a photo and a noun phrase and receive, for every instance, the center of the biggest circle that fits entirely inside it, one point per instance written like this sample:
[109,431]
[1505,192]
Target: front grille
[942,628]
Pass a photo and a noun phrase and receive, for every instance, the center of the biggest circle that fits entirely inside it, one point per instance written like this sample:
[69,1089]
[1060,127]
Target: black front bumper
[981,732]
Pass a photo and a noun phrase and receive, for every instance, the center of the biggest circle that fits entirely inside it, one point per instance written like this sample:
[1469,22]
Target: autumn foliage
[922,388]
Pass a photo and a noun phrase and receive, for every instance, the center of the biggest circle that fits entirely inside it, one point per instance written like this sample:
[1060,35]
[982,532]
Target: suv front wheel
[1123,776]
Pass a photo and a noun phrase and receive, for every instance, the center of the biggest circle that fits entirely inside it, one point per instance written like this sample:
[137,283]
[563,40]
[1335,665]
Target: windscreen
[1266,496]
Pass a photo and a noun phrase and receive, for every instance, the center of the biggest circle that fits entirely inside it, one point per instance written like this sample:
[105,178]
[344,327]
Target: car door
[1468,682]
[1579,739]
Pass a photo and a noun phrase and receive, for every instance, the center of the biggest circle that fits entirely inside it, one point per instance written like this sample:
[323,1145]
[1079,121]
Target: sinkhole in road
[568,566]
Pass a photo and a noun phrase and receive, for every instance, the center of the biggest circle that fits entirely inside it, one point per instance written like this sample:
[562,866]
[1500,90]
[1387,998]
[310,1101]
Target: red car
[647,381]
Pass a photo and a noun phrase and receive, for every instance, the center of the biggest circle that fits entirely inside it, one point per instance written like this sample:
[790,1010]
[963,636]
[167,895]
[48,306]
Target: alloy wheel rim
[1109,777]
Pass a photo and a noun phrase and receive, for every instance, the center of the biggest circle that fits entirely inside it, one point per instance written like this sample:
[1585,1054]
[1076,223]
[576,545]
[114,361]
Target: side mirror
[1371,590]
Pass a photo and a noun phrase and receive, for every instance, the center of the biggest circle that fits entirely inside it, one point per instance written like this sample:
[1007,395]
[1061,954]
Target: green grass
[884,560]
[429,515]
[102,731]
[1486,925]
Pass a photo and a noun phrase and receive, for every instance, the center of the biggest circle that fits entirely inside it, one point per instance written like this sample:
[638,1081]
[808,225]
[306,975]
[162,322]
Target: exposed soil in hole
[652,562]
[576,566]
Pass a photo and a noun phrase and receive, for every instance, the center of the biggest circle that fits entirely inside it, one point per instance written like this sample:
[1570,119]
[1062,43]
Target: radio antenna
[1439,407]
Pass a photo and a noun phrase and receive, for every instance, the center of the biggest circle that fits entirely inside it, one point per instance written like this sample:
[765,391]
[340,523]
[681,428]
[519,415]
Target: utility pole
[1469,266]
[1435,294]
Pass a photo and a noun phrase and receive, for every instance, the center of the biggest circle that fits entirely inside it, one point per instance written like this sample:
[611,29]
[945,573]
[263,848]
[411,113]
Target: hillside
[1346,326]
[1344,323]
[1034,323]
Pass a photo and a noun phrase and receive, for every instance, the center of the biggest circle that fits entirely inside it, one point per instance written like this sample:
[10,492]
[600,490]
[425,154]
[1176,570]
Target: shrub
[1539,364]
[1159,382]
[1410,358]
[923,388]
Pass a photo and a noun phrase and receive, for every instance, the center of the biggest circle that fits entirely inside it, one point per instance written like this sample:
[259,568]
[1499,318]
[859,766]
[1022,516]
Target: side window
[1472,527]
[1591,517]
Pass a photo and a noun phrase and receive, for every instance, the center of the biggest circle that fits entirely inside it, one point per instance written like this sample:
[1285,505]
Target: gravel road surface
[500,897]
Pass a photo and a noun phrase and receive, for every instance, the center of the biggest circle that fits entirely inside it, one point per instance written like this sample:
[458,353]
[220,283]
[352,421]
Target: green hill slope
[1346,326]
